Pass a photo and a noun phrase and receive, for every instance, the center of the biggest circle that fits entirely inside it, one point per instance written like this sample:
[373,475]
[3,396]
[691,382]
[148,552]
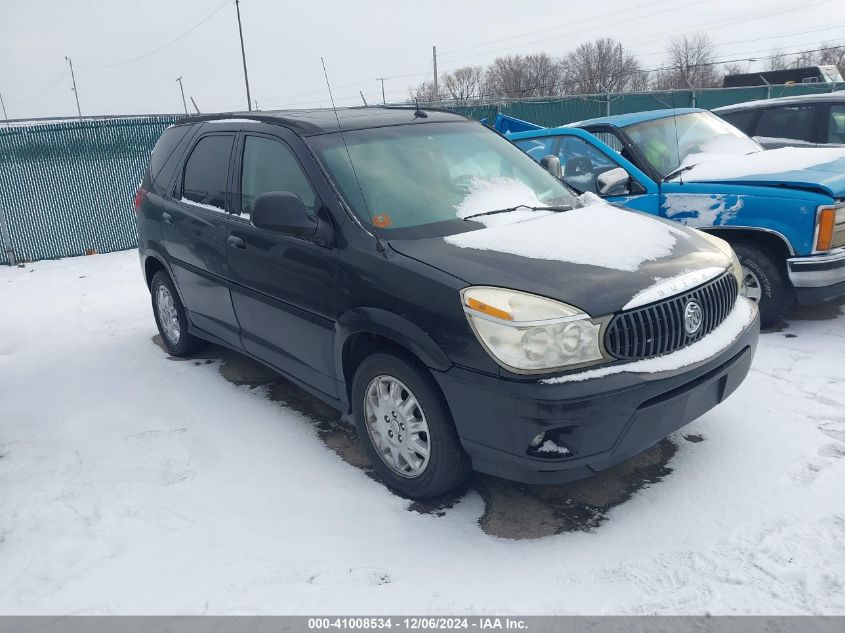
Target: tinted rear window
[742,119]
[207,171]
[164,148]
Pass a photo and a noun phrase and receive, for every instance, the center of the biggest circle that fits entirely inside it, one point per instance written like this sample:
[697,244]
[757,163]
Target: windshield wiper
[557,209]
[679,170]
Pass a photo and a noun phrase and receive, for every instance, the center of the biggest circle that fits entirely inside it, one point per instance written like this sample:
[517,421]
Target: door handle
[236,242]
[167,217]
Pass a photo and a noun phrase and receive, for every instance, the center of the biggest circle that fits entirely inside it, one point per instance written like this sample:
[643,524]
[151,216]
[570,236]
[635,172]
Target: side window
[581,163]
[536,148]
[610,139]
[270,165]
[742,119]
[836,124]
[163,150]
[791,122]
[207,170]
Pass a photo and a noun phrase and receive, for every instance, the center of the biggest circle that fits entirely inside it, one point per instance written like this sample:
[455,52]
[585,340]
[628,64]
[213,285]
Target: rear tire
[422,458]
[765,282]
[171,319]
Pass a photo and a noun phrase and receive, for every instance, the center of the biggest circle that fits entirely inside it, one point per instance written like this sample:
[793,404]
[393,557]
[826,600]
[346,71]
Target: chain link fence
[66,187]
[551,112]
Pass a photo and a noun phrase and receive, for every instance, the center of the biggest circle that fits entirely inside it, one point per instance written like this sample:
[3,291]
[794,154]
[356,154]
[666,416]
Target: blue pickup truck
[782,210]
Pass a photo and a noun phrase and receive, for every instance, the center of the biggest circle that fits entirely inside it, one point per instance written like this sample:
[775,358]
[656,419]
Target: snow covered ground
[131,483]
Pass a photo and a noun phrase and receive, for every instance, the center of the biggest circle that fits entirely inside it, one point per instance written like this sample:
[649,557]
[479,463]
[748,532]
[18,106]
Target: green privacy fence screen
[555,111]
[66,188]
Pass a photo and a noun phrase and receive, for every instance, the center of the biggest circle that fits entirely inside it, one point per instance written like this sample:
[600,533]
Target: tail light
[140,194]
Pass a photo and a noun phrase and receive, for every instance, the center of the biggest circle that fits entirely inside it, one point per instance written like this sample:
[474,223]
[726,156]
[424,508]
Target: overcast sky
[126,55]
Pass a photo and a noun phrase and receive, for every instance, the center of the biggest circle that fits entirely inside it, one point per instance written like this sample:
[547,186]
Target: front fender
[389,325]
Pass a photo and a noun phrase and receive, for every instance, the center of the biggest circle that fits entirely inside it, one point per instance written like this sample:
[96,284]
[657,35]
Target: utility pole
[75,92]
[5,116]
[361,92]
[434,61]
[182,90]
[195,105]
[243,54]
[381,79]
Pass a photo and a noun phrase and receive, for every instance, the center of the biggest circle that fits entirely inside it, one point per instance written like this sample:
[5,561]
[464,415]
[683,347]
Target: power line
[163,46]
[719,24]
[449,52]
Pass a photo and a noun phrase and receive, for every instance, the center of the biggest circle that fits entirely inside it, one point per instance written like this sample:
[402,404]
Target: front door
[583,158]
[283,287]
[194,224]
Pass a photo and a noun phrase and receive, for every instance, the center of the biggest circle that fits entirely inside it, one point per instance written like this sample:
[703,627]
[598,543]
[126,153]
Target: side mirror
[613,182]
[552,164]
[283,212]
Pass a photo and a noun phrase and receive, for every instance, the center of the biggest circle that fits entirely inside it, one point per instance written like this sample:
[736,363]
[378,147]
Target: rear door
[283,287]
[194,222]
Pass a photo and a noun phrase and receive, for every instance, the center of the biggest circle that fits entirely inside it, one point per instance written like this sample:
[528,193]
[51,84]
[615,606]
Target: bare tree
[426,93]
[736,68]
[464,83]
[776,61]
[518,76]
[833,55]
[691,63]
[602,66]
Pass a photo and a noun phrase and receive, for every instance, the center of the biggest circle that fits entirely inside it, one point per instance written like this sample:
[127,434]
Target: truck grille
[660,328]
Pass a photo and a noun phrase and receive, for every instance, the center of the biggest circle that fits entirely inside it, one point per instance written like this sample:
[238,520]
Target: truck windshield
[420,180]
[688,139]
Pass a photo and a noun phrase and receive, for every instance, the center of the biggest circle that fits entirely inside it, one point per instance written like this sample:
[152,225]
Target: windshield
[688,139]
[421,180]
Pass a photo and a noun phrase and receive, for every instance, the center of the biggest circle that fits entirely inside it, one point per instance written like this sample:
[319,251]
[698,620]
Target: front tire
[170,318]
[765,283]
[405,427]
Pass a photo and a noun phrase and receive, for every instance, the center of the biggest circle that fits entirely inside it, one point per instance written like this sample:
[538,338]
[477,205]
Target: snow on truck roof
[324,120]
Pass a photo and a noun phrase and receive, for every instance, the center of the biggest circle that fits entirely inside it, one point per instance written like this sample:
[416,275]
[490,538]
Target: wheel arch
[363,331]
[771,241]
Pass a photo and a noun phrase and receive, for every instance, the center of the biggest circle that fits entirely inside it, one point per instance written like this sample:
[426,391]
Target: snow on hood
[597,235]
[717,166]
[498,192]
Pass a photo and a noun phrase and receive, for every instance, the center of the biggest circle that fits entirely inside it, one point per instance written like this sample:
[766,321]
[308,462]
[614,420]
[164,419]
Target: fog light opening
[548,445]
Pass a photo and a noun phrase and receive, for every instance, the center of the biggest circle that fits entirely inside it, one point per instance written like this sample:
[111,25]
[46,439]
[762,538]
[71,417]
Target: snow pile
[498,192]
[597,235]
[740,318]
[773,161]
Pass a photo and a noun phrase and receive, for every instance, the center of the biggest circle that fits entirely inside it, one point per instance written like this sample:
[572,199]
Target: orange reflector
[827,221]
[480,306]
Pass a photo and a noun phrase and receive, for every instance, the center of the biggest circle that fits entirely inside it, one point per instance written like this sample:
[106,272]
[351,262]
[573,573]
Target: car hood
[820,169]
[596,258]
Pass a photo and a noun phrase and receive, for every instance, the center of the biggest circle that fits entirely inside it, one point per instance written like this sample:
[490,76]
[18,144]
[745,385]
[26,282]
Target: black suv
[418,272]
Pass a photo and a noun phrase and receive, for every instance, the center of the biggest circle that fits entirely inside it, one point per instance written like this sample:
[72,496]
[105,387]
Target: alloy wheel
[397,426]
[168,317]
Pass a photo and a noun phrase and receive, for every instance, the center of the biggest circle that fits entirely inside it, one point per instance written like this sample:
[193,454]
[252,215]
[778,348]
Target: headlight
[830,227]
[525,333]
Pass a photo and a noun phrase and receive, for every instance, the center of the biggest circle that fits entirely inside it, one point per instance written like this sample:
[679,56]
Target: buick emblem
[693,317]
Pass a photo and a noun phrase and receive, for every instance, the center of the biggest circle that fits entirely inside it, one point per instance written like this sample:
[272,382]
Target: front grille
[659,328]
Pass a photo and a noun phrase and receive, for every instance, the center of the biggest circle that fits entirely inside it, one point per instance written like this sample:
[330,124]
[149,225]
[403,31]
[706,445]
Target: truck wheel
[406,428]
[170,318]
[765,283]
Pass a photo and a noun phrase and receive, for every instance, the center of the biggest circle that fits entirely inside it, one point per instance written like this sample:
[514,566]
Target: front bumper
[602,421]
[818,278]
